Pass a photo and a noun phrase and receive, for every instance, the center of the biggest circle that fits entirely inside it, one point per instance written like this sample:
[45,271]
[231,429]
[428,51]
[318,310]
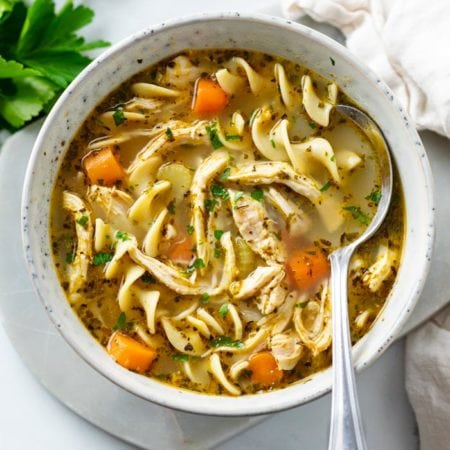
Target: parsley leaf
[101,258]
[121,323]
[171,207]
[213,136]
[326,186]
[358,214]
[225,341]
[217,253]
[220,191]
[218,234]
[190,230]
[237,197]
[70,257]
[312,125]
[197,264]
[257,194]
[119,116]
[374,196]
[169,134]
[225,174]
[204,298]
[301,305]
[223,310]
[273,143]
[40,56]
[122,236]
[210,204]
[83,220]
[233,137]
[182,358]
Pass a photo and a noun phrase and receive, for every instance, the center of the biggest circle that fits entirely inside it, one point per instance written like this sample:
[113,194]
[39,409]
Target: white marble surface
[31,418]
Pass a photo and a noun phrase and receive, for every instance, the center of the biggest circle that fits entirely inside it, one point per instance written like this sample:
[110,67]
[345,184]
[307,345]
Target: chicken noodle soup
[194,212]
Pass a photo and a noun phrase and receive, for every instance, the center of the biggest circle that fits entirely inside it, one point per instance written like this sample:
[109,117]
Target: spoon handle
[346,431]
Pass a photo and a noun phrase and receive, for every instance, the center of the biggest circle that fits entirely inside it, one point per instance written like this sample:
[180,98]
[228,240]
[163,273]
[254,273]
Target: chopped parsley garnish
[257,194]
[358,214]
[233,137]
[83,220]
[225,341]
[169,134]
[225,174]
[237,197]
[220,191]
[122,236]
[119,117]
[374,196]
[218,234]
[182,357]
[147,278]
[121,323]
[190,230]
[70,257]
[312,125]
[101,258]
[273,143]
[333,158]
[301,305]
[204,298]
[213,136]
[210,204]
[333,62]
[326,186]
[197,264]
[223,310]
[217,253]
[171,207]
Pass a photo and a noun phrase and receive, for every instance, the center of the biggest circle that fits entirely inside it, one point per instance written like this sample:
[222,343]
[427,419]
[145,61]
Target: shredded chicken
[287,349]
[78,269]
[181,133]
[268,172]
[257,228]
[209,168]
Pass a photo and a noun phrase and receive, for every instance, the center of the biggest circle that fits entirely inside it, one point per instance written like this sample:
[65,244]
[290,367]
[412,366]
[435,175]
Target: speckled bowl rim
[187,400]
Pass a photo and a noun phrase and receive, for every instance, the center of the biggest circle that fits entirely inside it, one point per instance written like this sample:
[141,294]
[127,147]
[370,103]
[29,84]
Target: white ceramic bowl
[229,30]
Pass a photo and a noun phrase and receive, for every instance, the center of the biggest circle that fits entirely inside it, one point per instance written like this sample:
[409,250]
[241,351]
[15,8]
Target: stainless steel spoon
[346,431]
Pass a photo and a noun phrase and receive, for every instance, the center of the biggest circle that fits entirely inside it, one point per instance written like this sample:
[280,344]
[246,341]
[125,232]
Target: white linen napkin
[428,380]
[407,43]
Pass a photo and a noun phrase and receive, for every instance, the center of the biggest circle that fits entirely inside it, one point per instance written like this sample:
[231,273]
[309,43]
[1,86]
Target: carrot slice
[181,250]
[264,368]
[209,97]
[130,353]
[102,167]
[308,267]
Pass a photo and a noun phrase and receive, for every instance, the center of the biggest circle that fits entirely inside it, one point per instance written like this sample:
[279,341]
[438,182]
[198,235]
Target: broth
[193,214]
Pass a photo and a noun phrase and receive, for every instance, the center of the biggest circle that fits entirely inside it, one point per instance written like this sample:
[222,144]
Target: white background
[32,418]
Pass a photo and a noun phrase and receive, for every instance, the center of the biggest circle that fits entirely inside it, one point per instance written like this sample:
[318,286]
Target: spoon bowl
[346,430]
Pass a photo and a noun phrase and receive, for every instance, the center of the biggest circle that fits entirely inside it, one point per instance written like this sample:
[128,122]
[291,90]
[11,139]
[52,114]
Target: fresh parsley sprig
[40,54]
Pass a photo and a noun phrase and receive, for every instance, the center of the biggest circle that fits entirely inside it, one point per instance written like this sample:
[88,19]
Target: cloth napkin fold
[407,43]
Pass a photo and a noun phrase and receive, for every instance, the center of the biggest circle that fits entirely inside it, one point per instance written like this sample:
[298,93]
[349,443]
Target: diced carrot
[130,353]
[264,368]
[209,97]
[102,167]
[181,250]
[308,267]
